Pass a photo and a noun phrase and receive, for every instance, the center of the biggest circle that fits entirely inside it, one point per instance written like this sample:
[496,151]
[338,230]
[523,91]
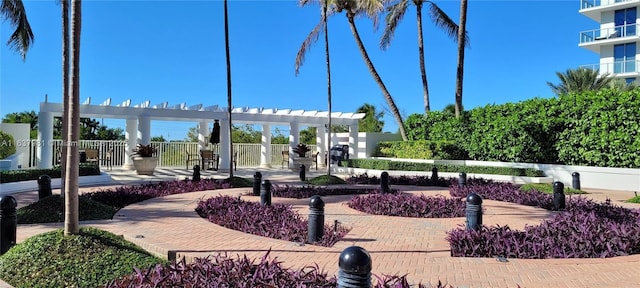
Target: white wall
[20,133]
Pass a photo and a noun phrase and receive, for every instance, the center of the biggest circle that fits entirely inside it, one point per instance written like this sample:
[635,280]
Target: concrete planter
[297,161]
[145,165]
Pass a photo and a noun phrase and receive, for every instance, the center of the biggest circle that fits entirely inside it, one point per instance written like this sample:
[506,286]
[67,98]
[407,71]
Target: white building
[616,38]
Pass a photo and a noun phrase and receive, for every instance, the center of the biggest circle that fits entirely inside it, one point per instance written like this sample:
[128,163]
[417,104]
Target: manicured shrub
[283,222]
[548,188]
[400,180]
[299,192]
[420,149]
[224,271]
[49,209]
[7,145]
[326,180]
[407,205]
[33,174]
[379,164]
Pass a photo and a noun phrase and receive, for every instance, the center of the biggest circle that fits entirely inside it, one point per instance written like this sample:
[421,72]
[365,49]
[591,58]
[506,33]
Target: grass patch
[90,259]
[49,209]
[238,182]
[326,180]
[548,188]
[635,199]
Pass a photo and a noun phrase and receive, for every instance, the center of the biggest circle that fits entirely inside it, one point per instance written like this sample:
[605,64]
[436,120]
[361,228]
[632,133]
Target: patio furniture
[191,158]
[92,156]
[107,158]
[210,160]
[314,159]
[285,159]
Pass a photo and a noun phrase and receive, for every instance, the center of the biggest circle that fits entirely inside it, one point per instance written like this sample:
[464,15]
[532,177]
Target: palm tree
[22,38]
[71,221]
[371,9]
[230,109]
[312,38]
[372,121]
[65,88]
[579,80]
[395,13]
[461,45]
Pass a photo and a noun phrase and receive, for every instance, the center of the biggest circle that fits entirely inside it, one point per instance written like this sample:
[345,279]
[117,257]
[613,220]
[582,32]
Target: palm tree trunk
[423,71]
[461,44]
[230,109]
[65,92]
[326,52]
[71,221]
[376,77]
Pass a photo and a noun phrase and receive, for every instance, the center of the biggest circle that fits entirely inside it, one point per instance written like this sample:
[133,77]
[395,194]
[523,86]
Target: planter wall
[145,165]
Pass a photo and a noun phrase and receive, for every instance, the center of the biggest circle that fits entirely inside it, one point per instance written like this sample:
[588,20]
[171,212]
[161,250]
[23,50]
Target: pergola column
[45,140]
[144,128]
[131,136]
[294,139]
[203,131]
[265,147]
[224,144]
[353,140]
[321,143]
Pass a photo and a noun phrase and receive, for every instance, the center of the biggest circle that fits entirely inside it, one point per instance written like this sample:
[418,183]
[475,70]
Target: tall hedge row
[594,128]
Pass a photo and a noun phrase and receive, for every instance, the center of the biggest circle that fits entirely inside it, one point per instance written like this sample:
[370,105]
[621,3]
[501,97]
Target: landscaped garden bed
[401,180]
[33,174]
[408,205]
[306,191]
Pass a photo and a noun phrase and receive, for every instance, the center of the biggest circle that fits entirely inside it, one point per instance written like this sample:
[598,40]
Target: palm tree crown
[579,80]
[21,39]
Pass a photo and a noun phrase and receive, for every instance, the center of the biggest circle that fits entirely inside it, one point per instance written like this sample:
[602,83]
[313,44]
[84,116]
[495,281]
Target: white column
[321,136]
[265,148]
[224,144]
[45,140]
[131,136]
[144,128]
[353,140]
[203,131]
[294,139]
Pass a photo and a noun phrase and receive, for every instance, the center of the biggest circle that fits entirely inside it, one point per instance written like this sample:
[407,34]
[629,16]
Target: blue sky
[174,51]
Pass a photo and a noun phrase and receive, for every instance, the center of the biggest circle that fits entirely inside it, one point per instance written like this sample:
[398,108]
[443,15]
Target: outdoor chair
[107,159]
[191,158]
[209,159]
[92,156]
[314,158]
[285,159]
[235,161]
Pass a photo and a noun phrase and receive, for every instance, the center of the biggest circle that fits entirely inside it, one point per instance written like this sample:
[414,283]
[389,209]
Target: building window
[624,56]
[625,20]
[630,81]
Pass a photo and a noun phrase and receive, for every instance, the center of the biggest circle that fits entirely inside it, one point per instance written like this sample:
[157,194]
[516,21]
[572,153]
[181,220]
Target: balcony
[629,68]
[594,8]
[593,39]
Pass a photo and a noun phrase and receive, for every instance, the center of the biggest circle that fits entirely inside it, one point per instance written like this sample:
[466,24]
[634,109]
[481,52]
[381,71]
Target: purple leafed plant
[506,192]
[125,195]
[298,192]
[586,229]
[276,221]
[223,271]
[400,180]
[407,205]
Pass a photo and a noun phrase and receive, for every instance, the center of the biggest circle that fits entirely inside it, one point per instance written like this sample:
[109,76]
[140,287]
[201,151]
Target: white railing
[618,67]
[609,33]
[585,4]
[170,154]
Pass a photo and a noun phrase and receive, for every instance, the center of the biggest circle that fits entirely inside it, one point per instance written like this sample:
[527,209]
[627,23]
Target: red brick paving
[169,225]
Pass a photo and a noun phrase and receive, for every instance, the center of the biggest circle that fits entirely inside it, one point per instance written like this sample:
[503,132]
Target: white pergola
[138,124]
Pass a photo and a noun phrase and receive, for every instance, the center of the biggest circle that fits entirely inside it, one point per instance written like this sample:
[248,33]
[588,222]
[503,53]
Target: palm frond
[311,39]
[395,13]
[442,20]
[22,38]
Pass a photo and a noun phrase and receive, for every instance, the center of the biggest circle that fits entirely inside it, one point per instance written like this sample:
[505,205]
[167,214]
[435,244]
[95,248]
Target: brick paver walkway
[169,227]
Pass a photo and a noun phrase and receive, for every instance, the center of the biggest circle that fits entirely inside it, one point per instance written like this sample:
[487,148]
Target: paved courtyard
[169,227]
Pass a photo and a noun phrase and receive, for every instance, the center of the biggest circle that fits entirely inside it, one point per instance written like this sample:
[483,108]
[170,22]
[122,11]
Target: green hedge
[33,174]
[592,128]
[378,164]
[7,145]
[420,149]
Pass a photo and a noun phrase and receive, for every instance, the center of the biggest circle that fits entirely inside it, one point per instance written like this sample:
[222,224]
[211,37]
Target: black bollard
[434,174]
[8,222]
[462,179]
[303,172]
[257,178]
[384,182]
[354,268]
[265,193]
[575,180]
[315,229]
[558,196]
[196,173]
[474,211]
[44,186]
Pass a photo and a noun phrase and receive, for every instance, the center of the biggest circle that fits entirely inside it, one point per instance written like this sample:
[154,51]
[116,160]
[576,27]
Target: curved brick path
[168,226]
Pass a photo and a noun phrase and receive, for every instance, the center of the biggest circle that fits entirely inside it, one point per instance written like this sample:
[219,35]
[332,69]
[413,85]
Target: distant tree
[90,129]
[621,84]
[451,109]
[246,134]
[158,139]
[372,121]
[192,135]
[22,37]
[308,135]
[29,117]
[279,138]
[579,80]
